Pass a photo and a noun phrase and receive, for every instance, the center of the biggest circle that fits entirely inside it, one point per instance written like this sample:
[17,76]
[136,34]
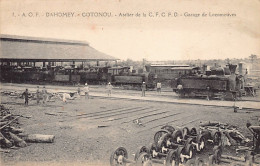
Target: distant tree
[252,57]
[227,61]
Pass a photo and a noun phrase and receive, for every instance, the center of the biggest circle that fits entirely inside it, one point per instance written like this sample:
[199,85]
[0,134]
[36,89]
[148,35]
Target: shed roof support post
[97,63]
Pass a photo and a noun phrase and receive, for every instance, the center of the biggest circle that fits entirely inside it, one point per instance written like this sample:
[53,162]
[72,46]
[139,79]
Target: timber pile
[9,128]
[12,135]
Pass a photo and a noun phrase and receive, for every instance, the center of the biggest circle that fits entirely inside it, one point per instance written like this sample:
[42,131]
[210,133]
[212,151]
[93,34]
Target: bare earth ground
[87,131]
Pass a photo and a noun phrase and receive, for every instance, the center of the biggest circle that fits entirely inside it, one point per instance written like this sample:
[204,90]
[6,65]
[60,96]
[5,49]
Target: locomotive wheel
[216,136]
[140,150]
[117,156]
[212,160]
[188,142]
[171,158]
[152,147]
[177,136]
[217,155]
[143,160]
[206,134]
[188,150]
[159,134]
[185,132]
[199,161]
[190,163]
[179,155]
[168,128]
[193,131]
[165,141]
[201,142]
[215,148]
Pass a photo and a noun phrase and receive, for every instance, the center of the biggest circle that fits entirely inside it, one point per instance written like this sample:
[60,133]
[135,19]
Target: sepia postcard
[129,82]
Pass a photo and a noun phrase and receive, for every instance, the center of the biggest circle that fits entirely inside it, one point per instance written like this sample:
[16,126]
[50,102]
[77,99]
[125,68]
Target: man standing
[86,90]
[143,87]
[26,97]
[180,90]
[79,89]
[109,89]
[38,95]
[45,96]
[159,87]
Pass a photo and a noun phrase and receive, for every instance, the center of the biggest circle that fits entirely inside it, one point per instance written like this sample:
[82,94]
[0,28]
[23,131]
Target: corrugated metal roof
[19,47]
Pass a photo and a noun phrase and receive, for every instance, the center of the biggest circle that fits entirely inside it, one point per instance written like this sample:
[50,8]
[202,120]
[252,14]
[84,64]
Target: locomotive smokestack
[232,68]
[204,68]
[240,68]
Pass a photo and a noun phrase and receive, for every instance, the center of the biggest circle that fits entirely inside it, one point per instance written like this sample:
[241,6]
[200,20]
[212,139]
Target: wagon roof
[213,77]
[182,68]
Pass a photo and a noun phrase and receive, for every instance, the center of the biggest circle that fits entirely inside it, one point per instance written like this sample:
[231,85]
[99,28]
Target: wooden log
[5,142]
[3,123]
[4,150]
[16,130]
[5,117]
[233,158]
[17,141]
[39,138]
[28,117]
[204,124]
[231,140]
[22,135]
[8,123]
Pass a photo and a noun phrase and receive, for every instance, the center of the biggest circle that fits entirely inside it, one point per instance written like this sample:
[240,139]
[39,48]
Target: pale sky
[153,38]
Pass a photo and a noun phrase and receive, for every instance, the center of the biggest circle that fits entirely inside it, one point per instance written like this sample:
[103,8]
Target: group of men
[38,95]
[85,90]
[158,88]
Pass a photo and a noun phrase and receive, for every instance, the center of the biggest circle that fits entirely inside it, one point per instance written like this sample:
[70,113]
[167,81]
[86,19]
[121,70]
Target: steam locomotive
[220,83]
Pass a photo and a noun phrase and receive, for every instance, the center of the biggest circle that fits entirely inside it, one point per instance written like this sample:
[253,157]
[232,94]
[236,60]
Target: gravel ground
[87,131]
